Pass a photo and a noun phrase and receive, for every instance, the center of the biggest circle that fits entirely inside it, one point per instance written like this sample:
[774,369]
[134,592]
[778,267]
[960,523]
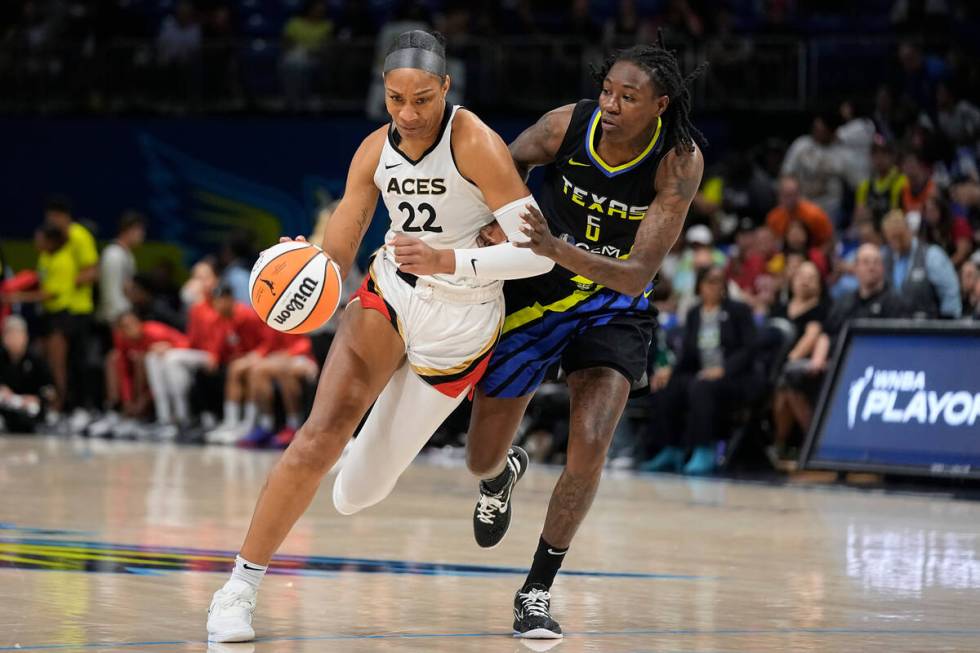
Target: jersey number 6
[424,207]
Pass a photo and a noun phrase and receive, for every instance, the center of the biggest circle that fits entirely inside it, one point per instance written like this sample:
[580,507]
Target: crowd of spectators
[873,212]
[149,359]
[227,54]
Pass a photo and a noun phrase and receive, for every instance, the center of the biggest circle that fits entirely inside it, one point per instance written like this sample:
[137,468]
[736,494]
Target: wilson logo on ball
[298,300]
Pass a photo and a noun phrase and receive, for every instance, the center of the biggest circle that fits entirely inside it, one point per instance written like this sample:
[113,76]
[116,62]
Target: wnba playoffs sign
[902,399]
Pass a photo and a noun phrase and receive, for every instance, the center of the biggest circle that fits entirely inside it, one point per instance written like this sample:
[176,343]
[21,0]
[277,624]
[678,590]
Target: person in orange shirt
[793,206]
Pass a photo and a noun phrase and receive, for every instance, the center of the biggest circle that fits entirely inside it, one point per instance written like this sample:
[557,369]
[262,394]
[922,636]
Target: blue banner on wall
[903,399]
[195,179]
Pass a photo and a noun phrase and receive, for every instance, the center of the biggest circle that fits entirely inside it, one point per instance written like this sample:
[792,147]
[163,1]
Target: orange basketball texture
[295,287]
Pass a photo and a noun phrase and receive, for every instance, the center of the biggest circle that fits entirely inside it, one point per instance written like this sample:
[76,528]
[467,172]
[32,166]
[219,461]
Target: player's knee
[316,448]
[343,505]
[352,495]
[587,448]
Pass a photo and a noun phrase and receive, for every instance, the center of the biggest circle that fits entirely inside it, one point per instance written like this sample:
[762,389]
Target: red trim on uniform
[455,387]
[371,299]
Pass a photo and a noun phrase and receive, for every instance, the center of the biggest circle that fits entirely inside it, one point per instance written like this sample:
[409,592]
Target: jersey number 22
[430,223]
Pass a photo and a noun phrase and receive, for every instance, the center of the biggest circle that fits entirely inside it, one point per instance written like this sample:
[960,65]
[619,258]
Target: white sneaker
[105,425]
[165,431]
[230,614]
[79,421]
[228,434]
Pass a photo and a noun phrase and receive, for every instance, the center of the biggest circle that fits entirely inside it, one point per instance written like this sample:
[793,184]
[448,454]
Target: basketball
[295,287]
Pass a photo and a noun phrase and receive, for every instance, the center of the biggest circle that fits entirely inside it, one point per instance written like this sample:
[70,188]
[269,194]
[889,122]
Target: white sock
[266,421]
[293,421]
[248,572]
[251,412]
[233,413]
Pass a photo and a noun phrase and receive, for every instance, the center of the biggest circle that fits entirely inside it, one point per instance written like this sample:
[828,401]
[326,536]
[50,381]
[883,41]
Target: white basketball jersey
[430,200]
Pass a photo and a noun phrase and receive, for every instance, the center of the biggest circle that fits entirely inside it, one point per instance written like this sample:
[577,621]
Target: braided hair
[661,65]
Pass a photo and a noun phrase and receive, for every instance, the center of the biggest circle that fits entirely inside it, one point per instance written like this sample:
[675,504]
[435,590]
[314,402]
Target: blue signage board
[902,397]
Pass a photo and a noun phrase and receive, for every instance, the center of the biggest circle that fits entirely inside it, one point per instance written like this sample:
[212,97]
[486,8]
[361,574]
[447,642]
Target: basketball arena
[573,325]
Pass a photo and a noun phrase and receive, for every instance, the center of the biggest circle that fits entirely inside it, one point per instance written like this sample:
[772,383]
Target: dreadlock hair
[665,73]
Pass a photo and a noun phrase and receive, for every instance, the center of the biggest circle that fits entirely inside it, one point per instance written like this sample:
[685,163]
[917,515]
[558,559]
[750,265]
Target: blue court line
[291,564]
[727,632]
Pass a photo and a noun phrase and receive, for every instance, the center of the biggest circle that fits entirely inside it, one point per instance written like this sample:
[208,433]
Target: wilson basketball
[295,287]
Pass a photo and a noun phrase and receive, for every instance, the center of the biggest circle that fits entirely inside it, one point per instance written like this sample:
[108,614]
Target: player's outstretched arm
[349,221]
[678,178]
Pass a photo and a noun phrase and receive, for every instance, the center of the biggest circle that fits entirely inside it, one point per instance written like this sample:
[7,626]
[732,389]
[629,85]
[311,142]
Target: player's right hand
[491,234]
[287,239]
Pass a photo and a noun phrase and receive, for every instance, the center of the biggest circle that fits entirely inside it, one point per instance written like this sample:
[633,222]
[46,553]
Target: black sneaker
[491,519]
[532,614]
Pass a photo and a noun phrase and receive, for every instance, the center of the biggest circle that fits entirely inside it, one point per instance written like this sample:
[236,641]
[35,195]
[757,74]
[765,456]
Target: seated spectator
[711,377]
[793,206]
[138,344]
[698,254]
[745,262]
[883,192]
[304,38]
[920,271]
[807,310]
[287,361]
[819,162]
[801,382]
[235,339]
[872,299]
[866,233]
[921,185]
[26,386]
[950,232]
[171,371]
[798,241]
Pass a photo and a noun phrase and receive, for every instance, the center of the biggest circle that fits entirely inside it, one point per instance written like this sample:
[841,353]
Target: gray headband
[417,58]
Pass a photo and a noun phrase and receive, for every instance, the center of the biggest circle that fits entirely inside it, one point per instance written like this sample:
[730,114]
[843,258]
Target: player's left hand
[415,257]
[541,242]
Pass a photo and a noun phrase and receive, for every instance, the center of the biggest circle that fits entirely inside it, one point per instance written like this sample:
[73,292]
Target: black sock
[498,482]
[547,562]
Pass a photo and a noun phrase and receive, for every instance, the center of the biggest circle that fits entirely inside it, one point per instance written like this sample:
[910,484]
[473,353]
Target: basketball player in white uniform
[414,344]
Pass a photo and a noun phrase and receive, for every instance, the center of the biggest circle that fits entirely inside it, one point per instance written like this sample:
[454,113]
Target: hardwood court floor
[118,546]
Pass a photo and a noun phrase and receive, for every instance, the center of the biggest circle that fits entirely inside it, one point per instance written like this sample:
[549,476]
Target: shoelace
[535,602]
[489,506]
[234,601]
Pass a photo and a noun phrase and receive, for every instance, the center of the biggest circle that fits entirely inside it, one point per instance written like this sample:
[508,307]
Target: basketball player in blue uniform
[620,175]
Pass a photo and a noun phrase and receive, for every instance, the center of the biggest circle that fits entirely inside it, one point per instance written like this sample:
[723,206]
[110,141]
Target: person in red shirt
[287,361]
[940,226]
[235,340]
[139,345]
[745,264]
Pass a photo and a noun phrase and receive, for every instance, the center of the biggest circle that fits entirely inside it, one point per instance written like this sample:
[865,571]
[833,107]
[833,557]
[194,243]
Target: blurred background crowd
[842,183]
